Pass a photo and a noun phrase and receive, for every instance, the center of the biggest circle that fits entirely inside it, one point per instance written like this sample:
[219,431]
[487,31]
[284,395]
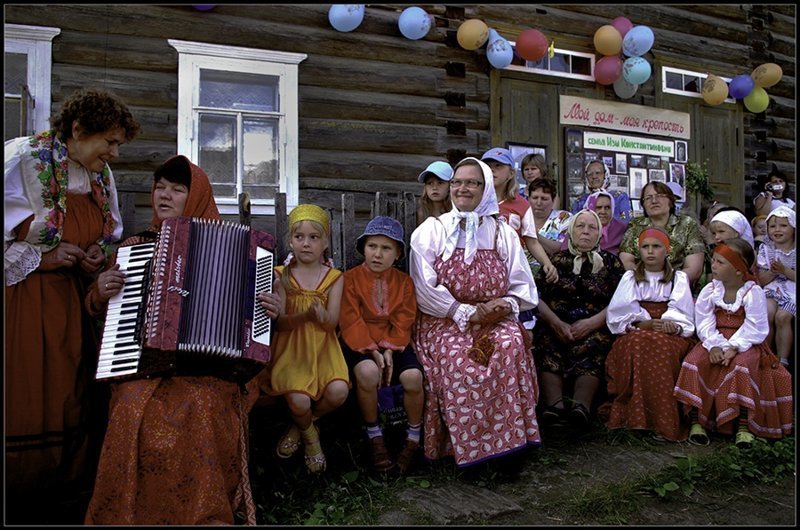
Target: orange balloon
[607,40]
[767,75]
[472,34]
[531,45]
[715,90]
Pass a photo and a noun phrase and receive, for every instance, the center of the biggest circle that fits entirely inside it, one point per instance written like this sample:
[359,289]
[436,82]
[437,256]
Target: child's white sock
[413,432]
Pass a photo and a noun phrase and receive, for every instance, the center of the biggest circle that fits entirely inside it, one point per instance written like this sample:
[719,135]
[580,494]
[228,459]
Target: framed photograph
[520,151]
[637,161]
[677,174]
[609,162]
[622,163]
[588,156]
[680,152]
[622,183]
[653,162]
[658,175]
[613,182]
[637,181]
[574,141]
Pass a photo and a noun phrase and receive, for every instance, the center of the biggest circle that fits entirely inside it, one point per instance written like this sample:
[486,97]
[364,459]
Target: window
[564,63]
[686,82]
[28,63]
[238,120]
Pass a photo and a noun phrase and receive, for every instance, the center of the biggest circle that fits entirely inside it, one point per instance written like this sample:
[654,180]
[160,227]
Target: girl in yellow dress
[308,367]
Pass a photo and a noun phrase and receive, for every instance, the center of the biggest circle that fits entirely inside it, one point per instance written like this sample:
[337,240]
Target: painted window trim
[545,71]
[687,93]
[192,56]
[37,43]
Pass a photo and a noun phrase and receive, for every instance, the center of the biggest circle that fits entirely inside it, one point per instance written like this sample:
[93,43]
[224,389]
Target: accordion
[188,306]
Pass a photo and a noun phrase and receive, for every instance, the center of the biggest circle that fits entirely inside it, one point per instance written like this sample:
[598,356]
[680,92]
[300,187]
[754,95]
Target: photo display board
[632,161]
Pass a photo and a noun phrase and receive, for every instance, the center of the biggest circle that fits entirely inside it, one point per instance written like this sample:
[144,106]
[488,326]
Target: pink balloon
[608,69]
[622,24]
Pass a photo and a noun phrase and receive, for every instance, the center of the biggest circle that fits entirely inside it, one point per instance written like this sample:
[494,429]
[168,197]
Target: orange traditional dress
[753,380]
[176,448]
[50,344]
[305,359]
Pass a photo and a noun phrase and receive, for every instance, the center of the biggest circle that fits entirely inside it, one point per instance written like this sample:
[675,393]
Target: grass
[349,494]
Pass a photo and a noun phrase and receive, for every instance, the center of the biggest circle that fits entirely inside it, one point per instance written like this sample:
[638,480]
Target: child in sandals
[308,367]
[731,381]
[378,310]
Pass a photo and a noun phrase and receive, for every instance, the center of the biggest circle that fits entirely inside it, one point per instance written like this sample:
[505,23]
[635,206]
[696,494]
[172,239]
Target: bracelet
[784,361]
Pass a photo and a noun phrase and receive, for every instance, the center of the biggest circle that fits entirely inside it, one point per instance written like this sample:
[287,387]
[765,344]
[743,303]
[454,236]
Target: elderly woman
[61,217]
[598,178]
[602,203]
[574,341]
[471,281]
[687,248]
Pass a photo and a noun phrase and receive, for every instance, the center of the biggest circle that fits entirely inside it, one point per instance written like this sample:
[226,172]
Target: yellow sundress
[308,357]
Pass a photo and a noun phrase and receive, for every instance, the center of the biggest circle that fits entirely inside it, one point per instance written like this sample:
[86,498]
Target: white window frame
[37,43]
[678,92]
[545,71]
[194,56]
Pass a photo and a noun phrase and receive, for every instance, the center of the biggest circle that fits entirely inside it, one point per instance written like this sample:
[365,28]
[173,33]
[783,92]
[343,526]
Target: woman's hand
[563,332]
[109,283]
[491,311]
[270,302]
[727,355]
[550,273]
[94,259]
[581,328]
[715,355]
[63,255]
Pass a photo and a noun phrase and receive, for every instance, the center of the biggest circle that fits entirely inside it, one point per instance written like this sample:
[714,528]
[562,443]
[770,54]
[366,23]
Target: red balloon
[622,24]
[608,69]
[532,45]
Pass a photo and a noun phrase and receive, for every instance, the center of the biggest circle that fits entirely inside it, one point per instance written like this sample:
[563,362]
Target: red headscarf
[735,260]
[200,202]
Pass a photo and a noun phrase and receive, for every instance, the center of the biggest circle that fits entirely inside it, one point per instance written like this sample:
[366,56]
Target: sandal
[314,457]
[289,442]
[744,439]
[698,436]
[406,456]
[552,415]
[579,416]
[381,461]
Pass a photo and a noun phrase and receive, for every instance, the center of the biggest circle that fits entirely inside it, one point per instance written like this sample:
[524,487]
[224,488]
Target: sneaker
[381,461]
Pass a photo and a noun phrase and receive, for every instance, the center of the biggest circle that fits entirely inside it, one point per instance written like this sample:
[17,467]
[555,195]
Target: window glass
[16,72]
[240,91]
[260,153]
[217,139]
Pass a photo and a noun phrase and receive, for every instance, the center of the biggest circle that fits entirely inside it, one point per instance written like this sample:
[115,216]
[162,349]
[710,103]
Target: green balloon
[757,100]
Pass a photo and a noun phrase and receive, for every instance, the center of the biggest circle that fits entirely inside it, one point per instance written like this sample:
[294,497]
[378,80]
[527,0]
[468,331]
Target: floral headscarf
[452,219]
[581,256]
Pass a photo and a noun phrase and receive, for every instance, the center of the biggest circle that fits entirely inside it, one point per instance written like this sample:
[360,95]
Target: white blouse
[20,257]
[755,327]
[624,308]
[433,298]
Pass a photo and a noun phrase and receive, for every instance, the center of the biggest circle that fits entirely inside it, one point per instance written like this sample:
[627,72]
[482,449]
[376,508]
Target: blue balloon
[741,86]
[636,70]
[346,17]
[499,50]
[637,41]
[414,23]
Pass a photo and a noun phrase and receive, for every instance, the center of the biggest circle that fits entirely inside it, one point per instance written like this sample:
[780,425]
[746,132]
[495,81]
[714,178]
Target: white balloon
[346,17]
[498,50]
[624,89]
[414,23]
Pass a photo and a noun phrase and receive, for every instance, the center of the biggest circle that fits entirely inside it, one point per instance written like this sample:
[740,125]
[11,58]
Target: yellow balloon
[767,75]
[715,90]
[757,100]
[472,34]
[607,40]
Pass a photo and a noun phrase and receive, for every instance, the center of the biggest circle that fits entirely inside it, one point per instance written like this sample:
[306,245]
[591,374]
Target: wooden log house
[374,108]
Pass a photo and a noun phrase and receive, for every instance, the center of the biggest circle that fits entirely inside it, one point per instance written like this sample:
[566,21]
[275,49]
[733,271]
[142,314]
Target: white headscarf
[452,219]
[738,222]
[580,256]
[783,211]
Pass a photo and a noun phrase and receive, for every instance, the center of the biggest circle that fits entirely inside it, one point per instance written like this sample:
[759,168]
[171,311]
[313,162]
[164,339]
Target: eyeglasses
[654,198]
[469,184]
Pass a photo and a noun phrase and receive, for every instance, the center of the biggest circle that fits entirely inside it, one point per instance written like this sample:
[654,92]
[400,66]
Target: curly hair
[96,111]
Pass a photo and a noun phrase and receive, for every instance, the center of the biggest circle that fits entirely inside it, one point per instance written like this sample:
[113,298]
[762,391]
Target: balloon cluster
[531,44]
[633,42]
[414,23]
[748,88]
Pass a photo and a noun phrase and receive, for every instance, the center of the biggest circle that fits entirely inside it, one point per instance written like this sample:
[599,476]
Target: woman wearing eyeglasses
[472,279]
[598,179]
[686,242]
